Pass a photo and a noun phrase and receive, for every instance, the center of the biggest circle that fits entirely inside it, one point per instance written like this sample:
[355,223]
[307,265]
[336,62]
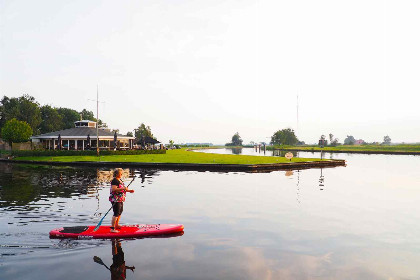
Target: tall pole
[97,121]
[297,115]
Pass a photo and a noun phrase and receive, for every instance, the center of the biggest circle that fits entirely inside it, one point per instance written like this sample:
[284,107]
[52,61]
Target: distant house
[83,137]
[359,142]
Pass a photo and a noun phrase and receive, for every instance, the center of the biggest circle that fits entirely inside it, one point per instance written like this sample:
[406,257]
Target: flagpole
[97,120]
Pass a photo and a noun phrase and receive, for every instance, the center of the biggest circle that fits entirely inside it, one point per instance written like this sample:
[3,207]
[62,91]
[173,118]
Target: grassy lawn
[175,156]
[364,148]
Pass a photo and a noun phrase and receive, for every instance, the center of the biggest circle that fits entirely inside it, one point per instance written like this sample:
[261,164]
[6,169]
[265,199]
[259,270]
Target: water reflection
[288,173]
[118,268]
[236,151]
[298,186]
[321,181]
[43,193]
[23,185]
[240,225]
[279,153]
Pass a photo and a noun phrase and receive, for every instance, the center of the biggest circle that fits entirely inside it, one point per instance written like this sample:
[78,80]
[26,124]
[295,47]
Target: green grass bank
[172,156]
[384,149]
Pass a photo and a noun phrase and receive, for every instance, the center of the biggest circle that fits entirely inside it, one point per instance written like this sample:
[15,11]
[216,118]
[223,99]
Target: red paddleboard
[130,231]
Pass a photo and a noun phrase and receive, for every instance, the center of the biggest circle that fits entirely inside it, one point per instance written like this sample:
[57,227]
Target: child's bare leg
[114,223]
[117,222]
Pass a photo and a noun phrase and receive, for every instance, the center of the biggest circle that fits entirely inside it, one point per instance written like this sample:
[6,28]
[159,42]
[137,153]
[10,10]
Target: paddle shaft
[100,222]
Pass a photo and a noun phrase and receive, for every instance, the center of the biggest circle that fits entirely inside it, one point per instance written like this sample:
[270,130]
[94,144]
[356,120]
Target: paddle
[100,222]
[99,261]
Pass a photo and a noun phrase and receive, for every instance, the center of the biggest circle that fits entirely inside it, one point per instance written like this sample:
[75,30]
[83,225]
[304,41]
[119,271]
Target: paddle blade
[99,224]
[98,260]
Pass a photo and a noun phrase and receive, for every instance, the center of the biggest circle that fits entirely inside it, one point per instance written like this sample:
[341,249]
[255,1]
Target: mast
[97,121]
[297,115]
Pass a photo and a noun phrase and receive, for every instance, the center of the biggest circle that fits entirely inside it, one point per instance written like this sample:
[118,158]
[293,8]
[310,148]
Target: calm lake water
[355,222]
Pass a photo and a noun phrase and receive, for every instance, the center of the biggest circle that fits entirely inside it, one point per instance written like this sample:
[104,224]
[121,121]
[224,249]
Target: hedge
[40,153]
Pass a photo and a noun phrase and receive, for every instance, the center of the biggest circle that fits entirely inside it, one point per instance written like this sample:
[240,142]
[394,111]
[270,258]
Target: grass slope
[175,156]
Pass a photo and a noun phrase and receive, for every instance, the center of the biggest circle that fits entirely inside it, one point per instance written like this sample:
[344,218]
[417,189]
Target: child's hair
[117,171]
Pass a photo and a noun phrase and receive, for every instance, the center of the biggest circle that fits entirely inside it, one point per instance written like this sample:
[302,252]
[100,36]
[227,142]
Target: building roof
[81,132]
[85,121]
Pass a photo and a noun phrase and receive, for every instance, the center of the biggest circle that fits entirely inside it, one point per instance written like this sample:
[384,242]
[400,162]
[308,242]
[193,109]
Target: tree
[236,140]
[101,124]
[9,109]
[23,108]
[333,141]
[387,140]
[88,115]
[143,131]
[130,134]
[349,140]
[69,116]
[284,137]
[51,119]
[16,131]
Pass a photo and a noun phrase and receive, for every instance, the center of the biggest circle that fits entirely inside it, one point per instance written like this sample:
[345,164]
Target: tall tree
[51,119]
[143,131]
[23,108]
[284,137]
[88,115]
[16,131]
[236,140]
[69,116]
[9,109]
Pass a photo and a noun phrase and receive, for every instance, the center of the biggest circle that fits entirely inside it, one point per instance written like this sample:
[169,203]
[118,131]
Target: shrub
[16,131]
[40,153]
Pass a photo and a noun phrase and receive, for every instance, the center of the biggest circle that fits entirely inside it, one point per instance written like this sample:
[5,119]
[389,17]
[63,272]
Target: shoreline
[192,166]
[352,152]
[316,149]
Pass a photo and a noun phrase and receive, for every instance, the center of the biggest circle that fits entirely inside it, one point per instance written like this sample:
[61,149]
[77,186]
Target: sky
[200,71]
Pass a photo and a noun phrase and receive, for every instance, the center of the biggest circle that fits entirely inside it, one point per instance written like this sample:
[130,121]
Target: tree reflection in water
[23,185]
[237,151]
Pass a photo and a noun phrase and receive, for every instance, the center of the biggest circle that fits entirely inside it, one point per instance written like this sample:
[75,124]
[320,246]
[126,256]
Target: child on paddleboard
[117,198]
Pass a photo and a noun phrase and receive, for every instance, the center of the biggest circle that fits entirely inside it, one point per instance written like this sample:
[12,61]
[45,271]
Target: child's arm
[128,190]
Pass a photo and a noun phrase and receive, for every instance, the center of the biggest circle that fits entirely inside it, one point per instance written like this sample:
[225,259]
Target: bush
[194,146]
[16,131]
[41,153]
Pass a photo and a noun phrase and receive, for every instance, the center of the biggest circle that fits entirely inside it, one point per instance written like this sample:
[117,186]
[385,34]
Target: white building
[83,137]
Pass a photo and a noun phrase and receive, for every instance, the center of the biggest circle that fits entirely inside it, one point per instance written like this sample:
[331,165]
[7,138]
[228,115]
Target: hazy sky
[199,71]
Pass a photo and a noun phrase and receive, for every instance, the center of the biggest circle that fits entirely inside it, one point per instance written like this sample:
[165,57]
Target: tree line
[285,136]
[22,117]
[41,118]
